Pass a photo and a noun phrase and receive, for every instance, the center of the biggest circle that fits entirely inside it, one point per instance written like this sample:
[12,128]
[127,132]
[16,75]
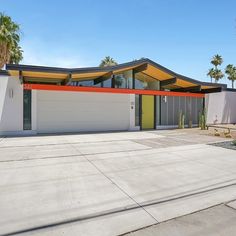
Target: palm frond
[10,51]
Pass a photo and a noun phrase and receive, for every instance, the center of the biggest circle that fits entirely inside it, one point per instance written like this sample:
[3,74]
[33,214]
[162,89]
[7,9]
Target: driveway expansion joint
[122,190]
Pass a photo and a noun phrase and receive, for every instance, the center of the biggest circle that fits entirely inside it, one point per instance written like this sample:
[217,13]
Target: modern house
[131,96]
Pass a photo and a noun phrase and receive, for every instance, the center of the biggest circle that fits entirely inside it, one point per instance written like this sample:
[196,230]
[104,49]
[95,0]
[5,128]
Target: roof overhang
[168,79]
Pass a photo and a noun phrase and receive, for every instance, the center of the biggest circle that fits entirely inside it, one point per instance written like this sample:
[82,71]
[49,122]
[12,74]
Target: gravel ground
[227,144]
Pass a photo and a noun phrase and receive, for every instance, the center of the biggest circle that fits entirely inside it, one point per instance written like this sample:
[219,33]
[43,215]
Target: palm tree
[108,61]
[15,55]
[217,60]
[10,50]
[211,73]
[218,74]
[230,70]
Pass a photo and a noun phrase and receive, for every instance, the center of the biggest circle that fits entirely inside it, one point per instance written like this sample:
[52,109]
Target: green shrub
[181,120]
[202,119]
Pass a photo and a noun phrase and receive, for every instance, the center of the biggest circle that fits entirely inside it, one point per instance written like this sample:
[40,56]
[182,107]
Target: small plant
[227,133]
[234,142]
[199,119]
[202,119]
[217,133]
[181,120]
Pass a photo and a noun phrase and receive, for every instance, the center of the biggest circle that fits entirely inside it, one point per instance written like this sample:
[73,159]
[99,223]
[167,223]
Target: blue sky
[181,35]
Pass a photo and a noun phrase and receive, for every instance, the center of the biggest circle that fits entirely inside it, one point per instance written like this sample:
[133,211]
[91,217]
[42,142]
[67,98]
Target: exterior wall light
[164,99]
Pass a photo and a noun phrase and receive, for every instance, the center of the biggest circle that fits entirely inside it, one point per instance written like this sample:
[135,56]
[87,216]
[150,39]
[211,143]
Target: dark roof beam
[168,82]
[212,90]
[188,89]
[103,77]
[140,68]
[68,80]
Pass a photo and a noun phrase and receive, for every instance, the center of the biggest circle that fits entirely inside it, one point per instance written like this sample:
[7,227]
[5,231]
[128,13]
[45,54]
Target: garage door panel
[81,106]
[69,111]
[72,96]
[82,118]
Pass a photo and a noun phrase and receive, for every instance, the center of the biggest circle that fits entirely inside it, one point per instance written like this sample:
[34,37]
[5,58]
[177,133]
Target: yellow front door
[147,112]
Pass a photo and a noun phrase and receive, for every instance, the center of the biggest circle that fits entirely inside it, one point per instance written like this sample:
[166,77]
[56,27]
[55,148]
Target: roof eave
[4,72]
[32,68]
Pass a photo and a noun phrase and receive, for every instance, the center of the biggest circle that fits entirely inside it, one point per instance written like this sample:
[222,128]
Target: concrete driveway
[109,183]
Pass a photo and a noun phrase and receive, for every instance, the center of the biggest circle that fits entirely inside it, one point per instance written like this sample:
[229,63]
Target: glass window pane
[124,80]
[158,112]
[143,81]
[27,110]
[85,83]
[107,83]
[137,123]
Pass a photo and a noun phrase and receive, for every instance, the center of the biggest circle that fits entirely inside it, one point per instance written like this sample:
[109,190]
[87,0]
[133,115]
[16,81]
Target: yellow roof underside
[207,87]
[88,75]
[184,84]
[157,73]
[124,69]
[40,74]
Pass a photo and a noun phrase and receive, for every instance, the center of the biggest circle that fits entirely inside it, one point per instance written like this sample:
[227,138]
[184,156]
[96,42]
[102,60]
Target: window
[124,80]
[27,110]
[85,83]
[143,81]
[137,119]
[158,110]
[107,83]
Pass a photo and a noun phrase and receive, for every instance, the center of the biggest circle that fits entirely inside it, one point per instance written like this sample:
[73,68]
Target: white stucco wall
[59,111]
[11,105]
[221,107]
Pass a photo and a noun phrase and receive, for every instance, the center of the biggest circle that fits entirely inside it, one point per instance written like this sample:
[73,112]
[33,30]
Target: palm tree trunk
[232,84]
[3,54]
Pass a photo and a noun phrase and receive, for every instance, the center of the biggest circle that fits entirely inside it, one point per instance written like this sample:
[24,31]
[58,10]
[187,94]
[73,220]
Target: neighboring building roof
[169,79]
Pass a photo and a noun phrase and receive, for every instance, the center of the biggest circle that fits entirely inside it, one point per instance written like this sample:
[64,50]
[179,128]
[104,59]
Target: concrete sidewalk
[218,220]
[109,183]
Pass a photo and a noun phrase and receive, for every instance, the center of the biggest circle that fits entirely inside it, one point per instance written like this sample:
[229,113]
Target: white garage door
[74,111]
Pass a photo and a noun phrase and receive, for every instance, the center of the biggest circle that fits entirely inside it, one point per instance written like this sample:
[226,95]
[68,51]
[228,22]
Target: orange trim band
[109,90]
